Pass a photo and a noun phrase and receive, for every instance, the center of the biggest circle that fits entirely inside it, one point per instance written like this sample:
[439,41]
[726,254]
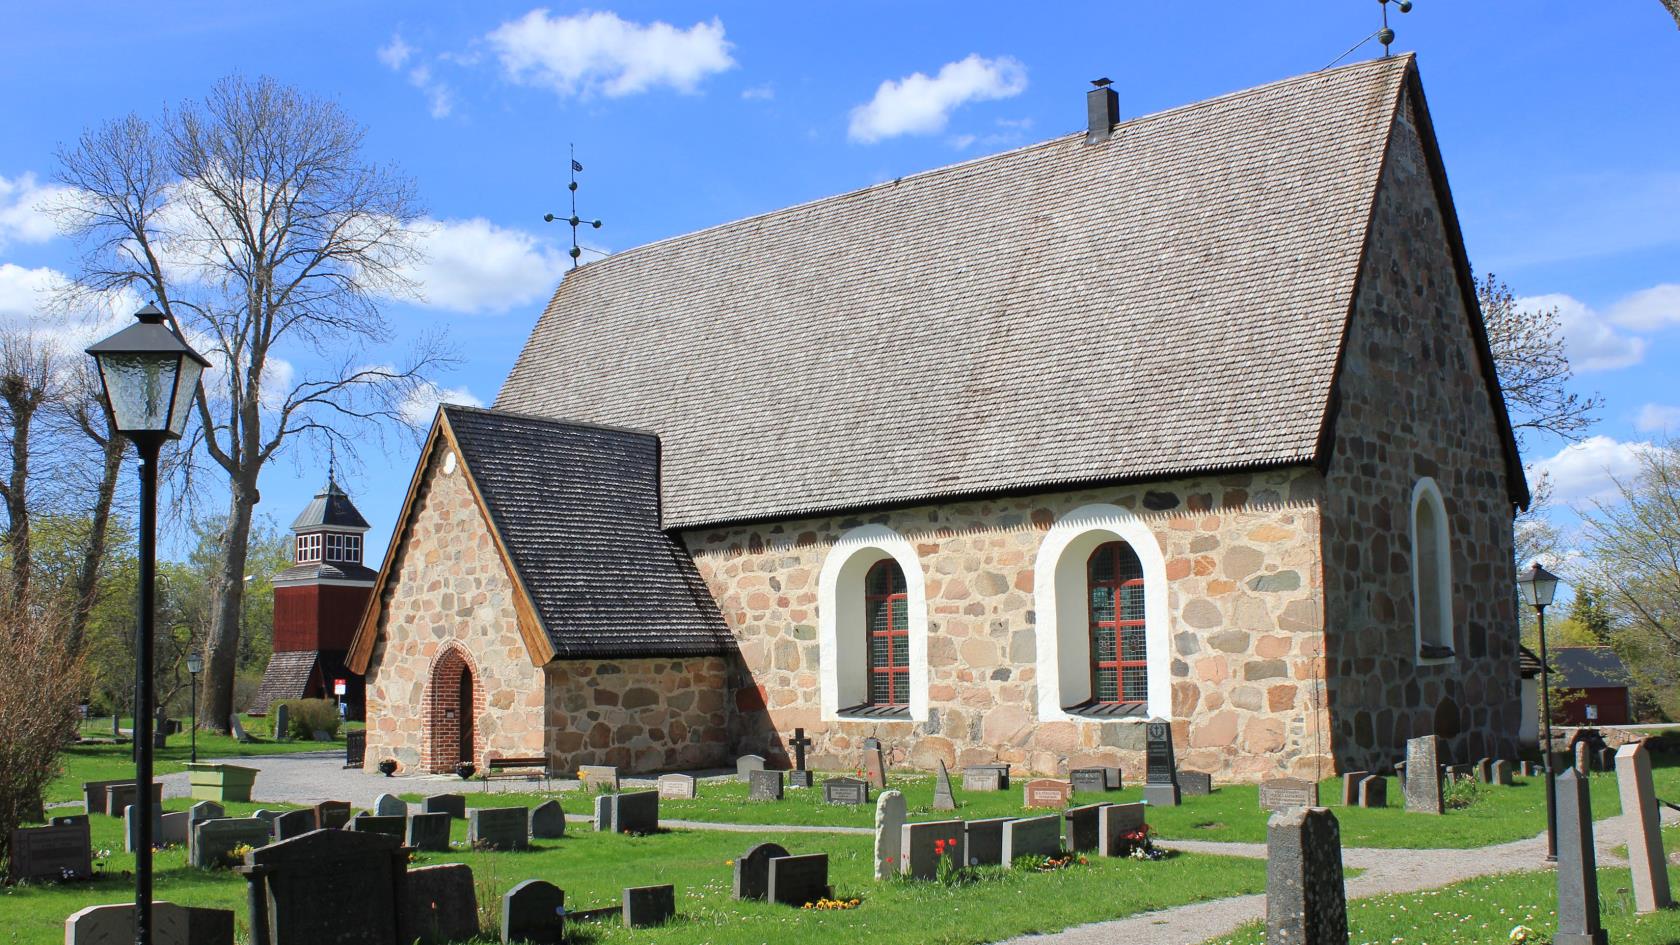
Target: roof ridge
[550,421]
[1402,60]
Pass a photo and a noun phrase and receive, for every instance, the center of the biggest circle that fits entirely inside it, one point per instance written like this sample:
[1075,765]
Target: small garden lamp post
[150,377]
[1538,587]
[195,665]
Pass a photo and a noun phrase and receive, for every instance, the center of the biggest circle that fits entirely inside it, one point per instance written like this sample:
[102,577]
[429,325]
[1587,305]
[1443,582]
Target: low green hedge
[306,717]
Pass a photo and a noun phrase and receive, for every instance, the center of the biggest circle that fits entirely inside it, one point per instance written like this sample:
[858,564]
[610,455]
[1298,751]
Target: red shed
[1593,686]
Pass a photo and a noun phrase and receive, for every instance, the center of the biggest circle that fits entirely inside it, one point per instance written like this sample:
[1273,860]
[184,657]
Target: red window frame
[1125,573]
[885,587]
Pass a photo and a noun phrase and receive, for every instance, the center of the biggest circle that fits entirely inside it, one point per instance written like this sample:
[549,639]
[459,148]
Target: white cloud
[917,104]
[422,405]
[1657,418]
[761,93]
[25,293]
[476,266]
[600,53]
[1587,470]
[1649,309]
[23,216]
[395,53]
[1592,342]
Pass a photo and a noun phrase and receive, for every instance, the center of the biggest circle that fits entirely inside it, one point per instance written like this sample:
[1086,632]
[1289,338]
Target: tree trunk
[86,588]
[227,601]
[22,407]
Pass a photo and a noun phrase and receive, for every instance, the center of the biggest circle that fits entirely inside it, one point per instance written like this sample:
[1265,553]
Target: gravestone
[746,765]
[796,880]
[986,778]
[390,805]
[1095,780]
[1423,778]
[120,795]
[764,786]
[131,829]
[293,823]
[1284,793]
[172,828]
[1484,770]
[334,886]
[1160,787]
[429,832]
[1583,757]
[1501,773]
[1195,783]
[1373,791]
[213,840]
[1082,827]
[265,815]
[1456,773]
[1606,759]
[845,791]
[875,763]
[605,810]
[548,821]
[1305,899]
[455,805]
[646,906]
[636,812]
[332,815]
[983,840]
[1031,836]
[1400,771]
[1046,792]
[679,787]
[355,748]
[205,810]
[599,777]
[282,722]
[58,852]
[238,729]
[1350,786]
[69,820]
[439,904]
[534,911]
[799,777]
[171,925]
[752,870]
[499,828]
[1577,865]
[1525,769]
[371,823]
[890,811]
[943,798]
[925,844]
[1644,840]
[1115,823]
[94,794]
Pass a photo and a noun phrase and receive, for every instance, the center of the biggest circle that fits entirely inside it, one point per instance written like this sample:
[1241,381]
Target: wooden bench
[533,768]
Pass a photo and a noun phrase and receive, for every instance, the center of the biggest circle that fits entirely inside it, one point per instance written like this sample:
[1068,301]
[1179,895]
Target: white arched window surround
[841,639]
[1432,620]
[1063,605]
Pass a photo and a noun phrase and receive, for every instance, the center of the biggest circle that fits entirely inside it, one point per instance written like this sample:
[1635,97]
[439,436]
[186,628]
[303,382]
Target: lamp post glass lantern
[150,377]
[1538,586]
[195,665]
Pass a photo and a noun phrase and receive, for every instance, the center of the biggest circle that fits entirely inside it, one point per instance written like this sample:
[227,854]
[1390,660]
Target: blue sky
[1557,122]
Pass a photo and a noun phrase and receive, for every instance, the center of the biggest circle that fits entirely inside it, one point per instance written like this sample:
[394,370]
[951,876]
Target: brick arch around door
[454,704]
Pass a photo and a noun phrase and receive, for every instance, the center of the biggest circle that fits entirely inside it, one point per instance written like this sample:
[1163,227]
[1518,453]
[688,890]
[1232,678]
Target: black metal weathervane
[574,219]
[1384,35]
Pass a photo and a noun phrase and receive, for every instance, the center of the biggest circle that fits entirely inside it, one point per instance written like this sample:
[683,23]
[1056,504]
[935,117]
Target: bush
[40,692]
[1460,793]
[309,716]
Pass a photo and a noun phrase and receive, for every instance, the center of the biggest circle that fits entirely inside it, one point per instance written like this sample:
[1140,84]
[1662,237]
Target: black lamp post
[150,376]
[1538,587]
[195,665]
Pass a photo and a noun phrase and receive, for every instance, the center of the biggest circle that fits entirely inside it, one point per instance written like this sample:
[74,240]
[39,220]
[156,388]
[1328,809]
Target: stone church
[1190,415]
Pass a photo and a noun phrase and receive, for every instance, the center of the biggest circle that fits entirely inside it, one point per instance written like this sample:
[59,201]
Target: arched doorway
[452,707]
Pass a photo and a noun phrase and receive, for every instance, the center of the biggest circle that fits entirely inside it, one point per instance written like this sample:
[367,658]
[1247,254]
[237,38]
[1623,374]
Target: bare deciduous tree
[256,223]
[38,699]
[1533,369]
[29,383]
[1673,8]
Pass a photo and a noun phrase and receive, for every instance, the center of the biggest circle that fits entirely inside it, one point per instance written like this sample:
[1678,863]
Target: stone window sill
[1433,654]
[1108,712]
[867,712]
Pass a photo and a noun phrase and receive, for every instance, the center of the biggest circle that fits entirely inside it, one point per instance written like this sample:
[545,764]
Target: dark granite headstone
[370,823]
[55,853]
[282,722]
[943,797]
[332,815]
[746,765]
[548,821]
[1423,779]
[293,823]
[390,805]
[1031,836]
[120,795]
[1160,787]
[1093,780]
[69,820]
[429,832]
[1195,783]
[678,787]
[605,811]
[875,764]
[455,805]
[355,748]
[986,778]
[796,880]
[1350,786]
[1046,792]
[764,786]
[327,886]
[499,828]
[1115,824]
[205,810]
[646,906]
[1082,832]
[94,794]
[1284,793]
[1577,865]
[923,845]
[845,791]
[799,779]
[439,904]
[1605,759]
[1305,900]
[534,911]
[1373,791]
[983,840]
[636,812]
[752,870]
[213,841]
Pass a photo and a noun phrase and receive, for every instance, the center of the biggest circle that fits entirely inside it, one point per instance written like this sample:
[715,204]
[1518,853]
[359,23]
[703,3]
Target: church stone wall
[448,585]
[640,714]
[1413,404]
[1244,591]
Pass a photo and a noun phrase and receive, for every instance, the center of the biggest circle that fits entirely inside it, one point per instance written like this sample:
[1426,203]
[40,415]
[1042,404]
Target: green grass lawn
[594,868]
[1232,812]
[80,763]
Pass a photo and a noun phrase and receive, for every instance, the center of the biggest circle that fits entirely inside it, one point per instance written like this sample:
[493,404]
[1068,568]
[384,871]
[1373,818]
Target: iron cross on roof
[799,743]
[574,220]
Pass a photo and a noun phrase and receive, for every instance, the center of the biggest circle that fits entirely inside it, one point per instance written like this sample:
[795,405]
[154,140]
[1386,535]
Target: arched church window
[887,620]
[1431,572]
[1119,649]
